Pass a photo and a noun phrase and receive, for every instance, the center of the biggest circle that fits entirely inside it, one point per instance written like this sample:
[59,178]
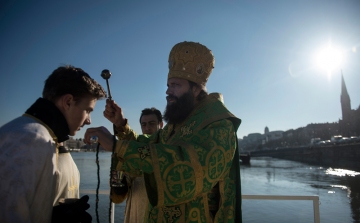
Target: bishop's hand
[113,112]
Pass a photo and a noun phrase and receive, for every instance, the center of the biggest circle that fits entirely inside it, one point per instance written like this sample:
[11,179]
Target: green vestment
[191,170]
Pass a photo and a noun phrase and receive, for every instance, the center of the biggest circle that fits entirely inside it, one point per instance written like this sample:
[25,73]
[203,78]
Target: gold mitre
[191,61]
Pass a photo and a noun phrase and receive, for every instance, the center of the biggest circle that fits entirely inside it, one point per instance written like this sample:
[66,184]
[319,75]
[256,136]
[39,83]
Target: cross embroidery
[182,181]
[172,212]
[216,163]
[186,130]
[144,151]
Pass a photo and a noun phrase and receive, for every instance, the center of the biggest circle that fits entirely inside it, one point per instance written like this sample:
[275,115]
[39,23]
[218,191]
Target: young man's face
[150,124]
[78,113]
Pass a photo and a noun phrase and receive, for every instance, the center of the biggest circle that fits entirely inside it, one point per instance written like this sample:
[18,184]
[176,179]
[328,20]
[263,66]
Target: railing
[314,198]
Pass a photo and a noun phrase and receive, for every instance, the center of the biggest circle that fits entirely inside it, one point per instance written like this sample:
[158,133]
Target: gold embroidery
[186,130]
[181,183]
[216,164]
[195,162]
[194,215]
[73,187]
[144,152]
[158,177]
[170,131]
[172,212]
[206,208]
[223,136]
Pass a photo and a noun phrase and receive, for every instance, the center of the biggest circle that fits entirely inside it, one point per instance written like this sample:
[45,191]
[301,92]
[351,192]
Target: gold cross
[144,152]
[182,181]
[217,163]
[172,212]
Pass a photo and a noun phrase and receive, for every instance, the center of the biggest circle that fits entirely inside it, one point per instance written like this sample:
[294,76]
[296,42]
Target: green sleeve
[125,133]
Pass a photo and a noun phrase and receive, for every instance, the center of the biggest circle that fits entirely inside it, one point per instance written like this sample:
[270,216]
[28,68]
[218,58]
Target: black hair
[150,111]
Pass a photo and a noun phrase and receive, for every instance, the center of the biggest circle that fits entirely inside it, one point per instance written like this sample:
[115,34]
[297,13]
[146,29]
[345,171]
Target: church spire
[344,100]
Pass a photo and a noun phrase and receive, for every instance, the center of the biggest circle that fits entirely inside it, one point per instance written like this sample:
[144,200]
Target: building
[257,139]
[350,123]
[348,126]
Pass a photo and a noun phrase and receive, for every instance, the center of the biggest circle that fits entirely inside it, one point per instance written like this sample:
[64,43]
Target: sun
[329,58]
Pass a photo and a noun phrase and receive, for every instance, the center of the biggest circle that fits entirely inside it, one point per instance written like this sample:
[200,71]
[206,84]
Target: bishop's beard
[177,111]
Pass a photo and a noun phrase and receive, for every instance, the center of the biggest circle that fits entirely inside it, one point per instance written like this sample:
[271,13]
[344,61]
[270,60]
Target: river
[338,190]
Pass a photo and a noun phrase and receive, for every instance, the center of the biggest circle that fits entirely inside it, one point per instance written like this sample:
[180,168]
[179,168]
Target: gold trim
[157,174]
[206,208]
[222,190]
[195,162]
[160,214]
[182,209]
[120,148]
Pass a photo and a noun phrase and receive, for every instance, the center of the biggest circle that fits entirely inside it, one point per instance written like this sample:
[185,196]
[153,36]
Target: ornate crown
[191,61]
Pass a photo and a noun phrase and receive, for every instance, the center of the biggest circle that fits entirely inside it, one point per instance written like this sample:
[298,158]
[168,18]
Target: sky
[266,54]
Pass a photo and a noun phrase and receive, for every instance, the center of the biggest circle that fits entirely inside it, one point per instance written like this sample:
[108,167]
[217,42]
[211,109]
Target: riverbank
[337,156]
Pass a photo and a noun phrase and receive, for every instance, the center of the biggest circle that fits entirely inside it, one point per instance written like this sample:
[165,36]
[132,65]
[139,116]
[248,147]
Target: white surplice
[28,171]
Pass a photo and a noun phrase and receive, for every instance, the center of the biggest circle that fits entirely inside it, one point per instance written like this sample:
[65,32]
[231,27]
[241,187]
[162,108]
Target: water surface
[338,190]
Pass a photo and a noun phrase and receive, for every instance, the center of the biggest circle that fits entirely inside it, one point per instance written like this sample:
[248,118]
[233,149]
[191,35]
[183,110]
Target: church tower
[345,101]
[266,131]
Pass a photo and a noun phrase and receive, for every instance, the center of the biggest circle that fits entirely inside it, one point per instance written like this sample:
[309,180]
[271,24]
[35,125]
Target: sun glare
[329,58]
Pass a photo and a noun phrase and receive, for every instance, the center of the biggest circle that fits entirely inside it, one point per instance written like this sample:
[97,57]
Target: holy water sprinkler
[116,176]
[106,74]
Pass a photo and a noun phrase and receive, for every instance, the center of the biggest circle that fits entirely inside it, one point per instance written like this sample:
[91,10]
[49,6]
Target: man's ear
[196,91]
[65,102]
[161,124]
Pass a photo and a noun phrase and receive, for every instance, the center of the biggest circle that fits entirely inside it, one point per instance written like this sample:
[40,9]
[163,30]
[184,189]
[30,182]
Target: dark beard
[177,111]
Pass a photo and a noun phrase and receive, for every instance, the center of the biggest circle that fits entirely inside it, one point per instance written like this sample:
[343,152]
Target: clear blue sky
[264,52]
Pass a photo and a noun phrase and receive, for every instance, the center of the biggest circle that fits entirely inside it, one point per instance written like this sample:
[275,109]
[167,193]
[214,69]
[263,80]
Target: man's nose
[168,91]
[87,120]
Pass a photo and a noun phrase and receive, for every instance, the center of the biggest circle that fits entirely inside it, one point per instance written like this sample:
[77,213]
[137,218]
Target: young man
[33,177]
[136,197]
[150,120]
[191,167]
